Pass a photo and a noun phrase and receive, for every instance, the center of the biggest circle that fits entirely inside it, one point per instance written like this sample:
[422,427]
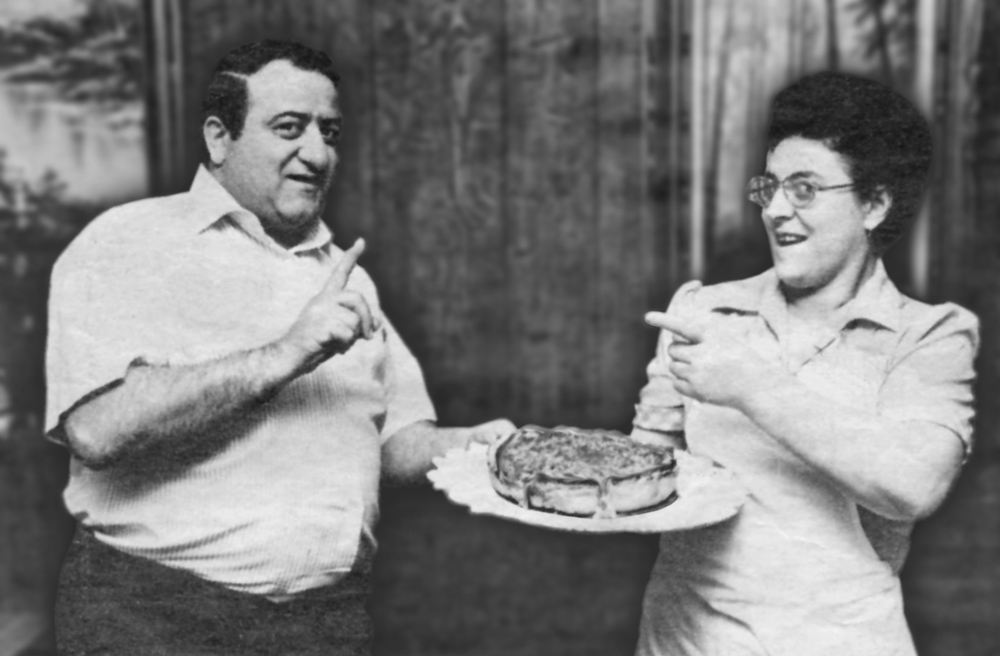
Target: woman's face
[825,241]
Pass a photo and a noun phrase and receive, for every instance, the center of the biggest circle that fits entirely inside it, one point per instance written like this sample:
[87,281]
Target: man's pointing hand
[334,319]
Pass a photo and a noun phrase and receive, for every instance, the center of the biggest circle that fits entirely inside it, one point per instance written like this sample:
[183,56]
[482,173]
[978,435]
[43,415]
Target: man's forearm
[901,470]
[175,406]
[408,454]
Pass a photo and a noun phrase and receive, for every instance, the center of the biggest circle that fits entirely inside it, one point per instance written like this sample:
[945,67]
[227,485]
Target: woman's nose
[779,209]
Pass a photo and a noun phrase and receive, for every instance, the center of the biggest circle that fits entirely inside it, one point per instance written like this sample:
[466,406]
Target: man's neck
[290,238]
[286,236]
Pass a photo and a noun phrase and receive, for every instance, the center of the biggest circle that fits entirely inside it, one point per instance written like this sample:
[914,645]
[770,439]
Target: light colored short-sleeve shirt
[802,570]
[193,277]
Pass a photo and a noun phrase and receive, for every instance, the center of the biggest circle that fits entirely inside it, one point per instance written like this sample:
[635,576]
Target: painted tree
[832,44]
[91,59]
[888,30]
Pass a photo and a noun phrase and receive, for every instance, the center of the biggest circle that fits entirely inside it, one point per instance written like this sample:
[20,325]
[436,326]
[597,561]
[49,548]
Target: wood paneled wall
[497,158]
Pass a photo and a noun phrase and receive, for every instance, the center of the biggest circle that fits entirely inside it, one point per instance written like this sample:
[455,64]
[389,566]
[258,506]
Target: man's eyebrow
[302,116]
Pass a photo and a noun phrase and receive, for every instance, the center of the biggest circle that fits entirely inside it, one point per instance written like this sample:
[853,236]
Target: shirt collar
[212,203]
[877,301]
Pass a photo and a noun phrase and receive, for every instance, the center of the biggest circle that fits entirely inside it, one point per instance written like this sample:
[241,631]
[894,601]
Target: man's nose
[315,151]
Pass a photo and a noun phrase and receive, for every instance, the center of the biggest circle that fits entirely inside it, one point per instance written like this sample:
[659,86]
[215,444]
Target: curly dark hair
[226,96]
[884,139]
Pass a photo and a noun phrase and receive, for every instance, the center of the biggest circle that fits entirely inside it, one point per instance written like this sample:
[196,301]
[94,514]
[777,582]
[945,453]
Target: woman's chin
[793,277]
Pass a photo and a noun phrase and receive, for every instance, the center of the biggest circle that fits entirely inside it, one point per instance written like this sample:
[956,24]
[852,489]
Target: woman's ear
[877,209]
[217,140]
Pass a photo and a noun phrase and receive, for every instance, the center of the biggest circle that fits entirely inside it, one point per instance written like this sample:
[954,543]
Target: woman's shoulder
[745,292]
[925,322]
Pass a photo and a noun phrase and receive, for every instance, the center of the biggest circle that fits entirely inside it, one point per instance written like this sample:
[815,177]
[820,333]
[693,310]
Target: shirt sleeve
[407,400]
[99,323]
[933,380]
[661,407]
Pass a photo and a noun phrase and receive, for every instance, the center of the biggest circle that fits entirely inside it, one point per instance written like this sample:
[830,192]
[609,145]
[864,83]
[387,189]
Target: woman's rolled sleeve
[934,379]
[661,407]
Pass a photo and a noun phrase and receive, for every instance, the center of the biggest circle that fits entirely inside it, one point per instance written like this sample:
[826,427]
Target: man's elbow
[86,444]
[397,467]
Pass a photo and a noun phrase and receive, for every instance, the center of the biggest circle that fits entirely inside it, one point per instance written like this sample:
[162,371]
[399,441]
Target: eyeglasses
[799,192]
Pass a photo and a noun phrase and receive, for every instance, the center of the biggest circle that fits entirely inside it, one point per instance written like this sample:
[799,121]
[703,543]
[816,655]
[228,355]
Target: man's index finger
[342,271]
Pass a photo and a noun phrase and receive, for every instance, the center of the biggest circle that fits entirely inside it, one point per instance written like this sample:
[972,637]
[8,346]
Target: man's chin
[300,215]
[293,227]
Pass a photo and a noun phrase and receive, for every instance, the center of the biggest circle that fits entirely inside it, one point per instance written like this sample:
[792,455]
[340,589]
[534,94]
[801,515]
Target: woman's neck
[817,305]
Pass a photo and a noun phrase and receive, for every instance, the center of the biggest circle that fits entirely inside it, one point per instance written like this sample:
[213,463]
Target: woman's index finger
[686,330]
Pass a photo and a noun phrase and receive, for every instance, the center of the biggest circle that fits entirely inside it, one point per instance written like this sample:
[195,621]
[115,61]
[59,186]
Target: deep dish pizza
[586,473]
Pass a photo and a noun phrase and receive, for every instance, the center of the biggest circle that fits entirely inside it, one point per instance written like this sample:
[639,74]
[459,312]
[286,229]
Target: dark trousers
[112,604]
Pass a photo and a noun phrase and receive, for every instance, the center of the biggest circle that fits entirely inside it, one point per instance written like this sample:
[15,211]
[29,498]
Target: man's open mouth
[306,179]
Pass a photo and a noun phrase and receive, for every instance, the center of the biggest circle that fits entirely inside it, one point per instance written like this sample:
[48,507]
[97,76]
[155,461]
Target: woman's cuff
[662,418]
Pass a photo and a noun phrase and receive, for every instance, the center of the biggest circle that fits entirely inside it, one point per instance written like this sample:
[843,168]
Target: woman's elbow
[918,482]
[917,502]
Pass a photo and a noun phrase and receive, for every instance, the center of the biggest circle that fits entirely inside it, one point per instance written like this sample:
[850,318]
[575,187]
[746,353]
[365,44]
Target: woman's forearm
[176,406]
[901,470]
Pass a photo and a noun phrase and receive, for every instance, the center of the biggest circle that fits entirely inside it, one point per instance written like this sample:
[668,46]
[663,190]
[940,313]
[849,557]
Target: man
[230,392]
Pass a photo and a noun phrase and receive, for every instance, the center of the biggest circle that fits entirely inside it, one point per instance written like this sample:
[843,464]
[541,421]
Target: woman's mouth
[788,238]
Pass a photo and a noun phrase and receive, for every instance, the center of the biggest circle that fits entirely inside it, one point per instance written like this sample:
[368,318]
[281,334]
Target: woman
[843,406]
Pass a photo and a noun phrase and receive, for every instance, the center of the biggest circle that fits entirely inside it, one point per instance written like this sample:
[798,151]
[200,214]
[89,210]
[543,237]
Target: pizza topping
[577,455]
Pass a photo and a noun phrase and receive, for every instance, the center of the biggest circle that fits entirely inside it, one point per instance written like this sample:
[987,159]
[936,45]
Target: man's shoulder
[128,230]
[162,214]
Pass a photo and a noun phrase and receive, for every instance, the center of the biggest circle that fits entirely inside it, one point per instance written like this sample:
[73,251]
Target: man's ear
[877,209]
[217,140]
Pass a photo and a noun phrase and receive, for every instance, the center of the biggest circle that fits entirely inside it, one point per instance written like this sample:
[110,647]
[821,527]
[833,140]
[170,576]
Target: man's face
[283,163]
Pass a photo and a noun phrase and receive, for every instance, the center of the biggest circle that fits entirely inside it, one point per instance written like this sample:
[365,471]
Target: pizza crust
[583,473]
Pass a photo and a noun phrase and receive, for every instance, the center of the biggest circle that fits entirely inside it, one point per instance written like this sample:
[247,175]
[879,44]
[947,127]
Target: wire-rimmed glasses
[800,192]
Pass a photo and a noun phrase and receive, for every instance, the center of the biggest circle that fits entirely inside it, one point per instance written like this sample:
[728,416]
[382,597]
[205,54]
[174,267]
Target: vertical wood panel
[624,252]
[669,137]
[342,28]
[439,143]
[552,183]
